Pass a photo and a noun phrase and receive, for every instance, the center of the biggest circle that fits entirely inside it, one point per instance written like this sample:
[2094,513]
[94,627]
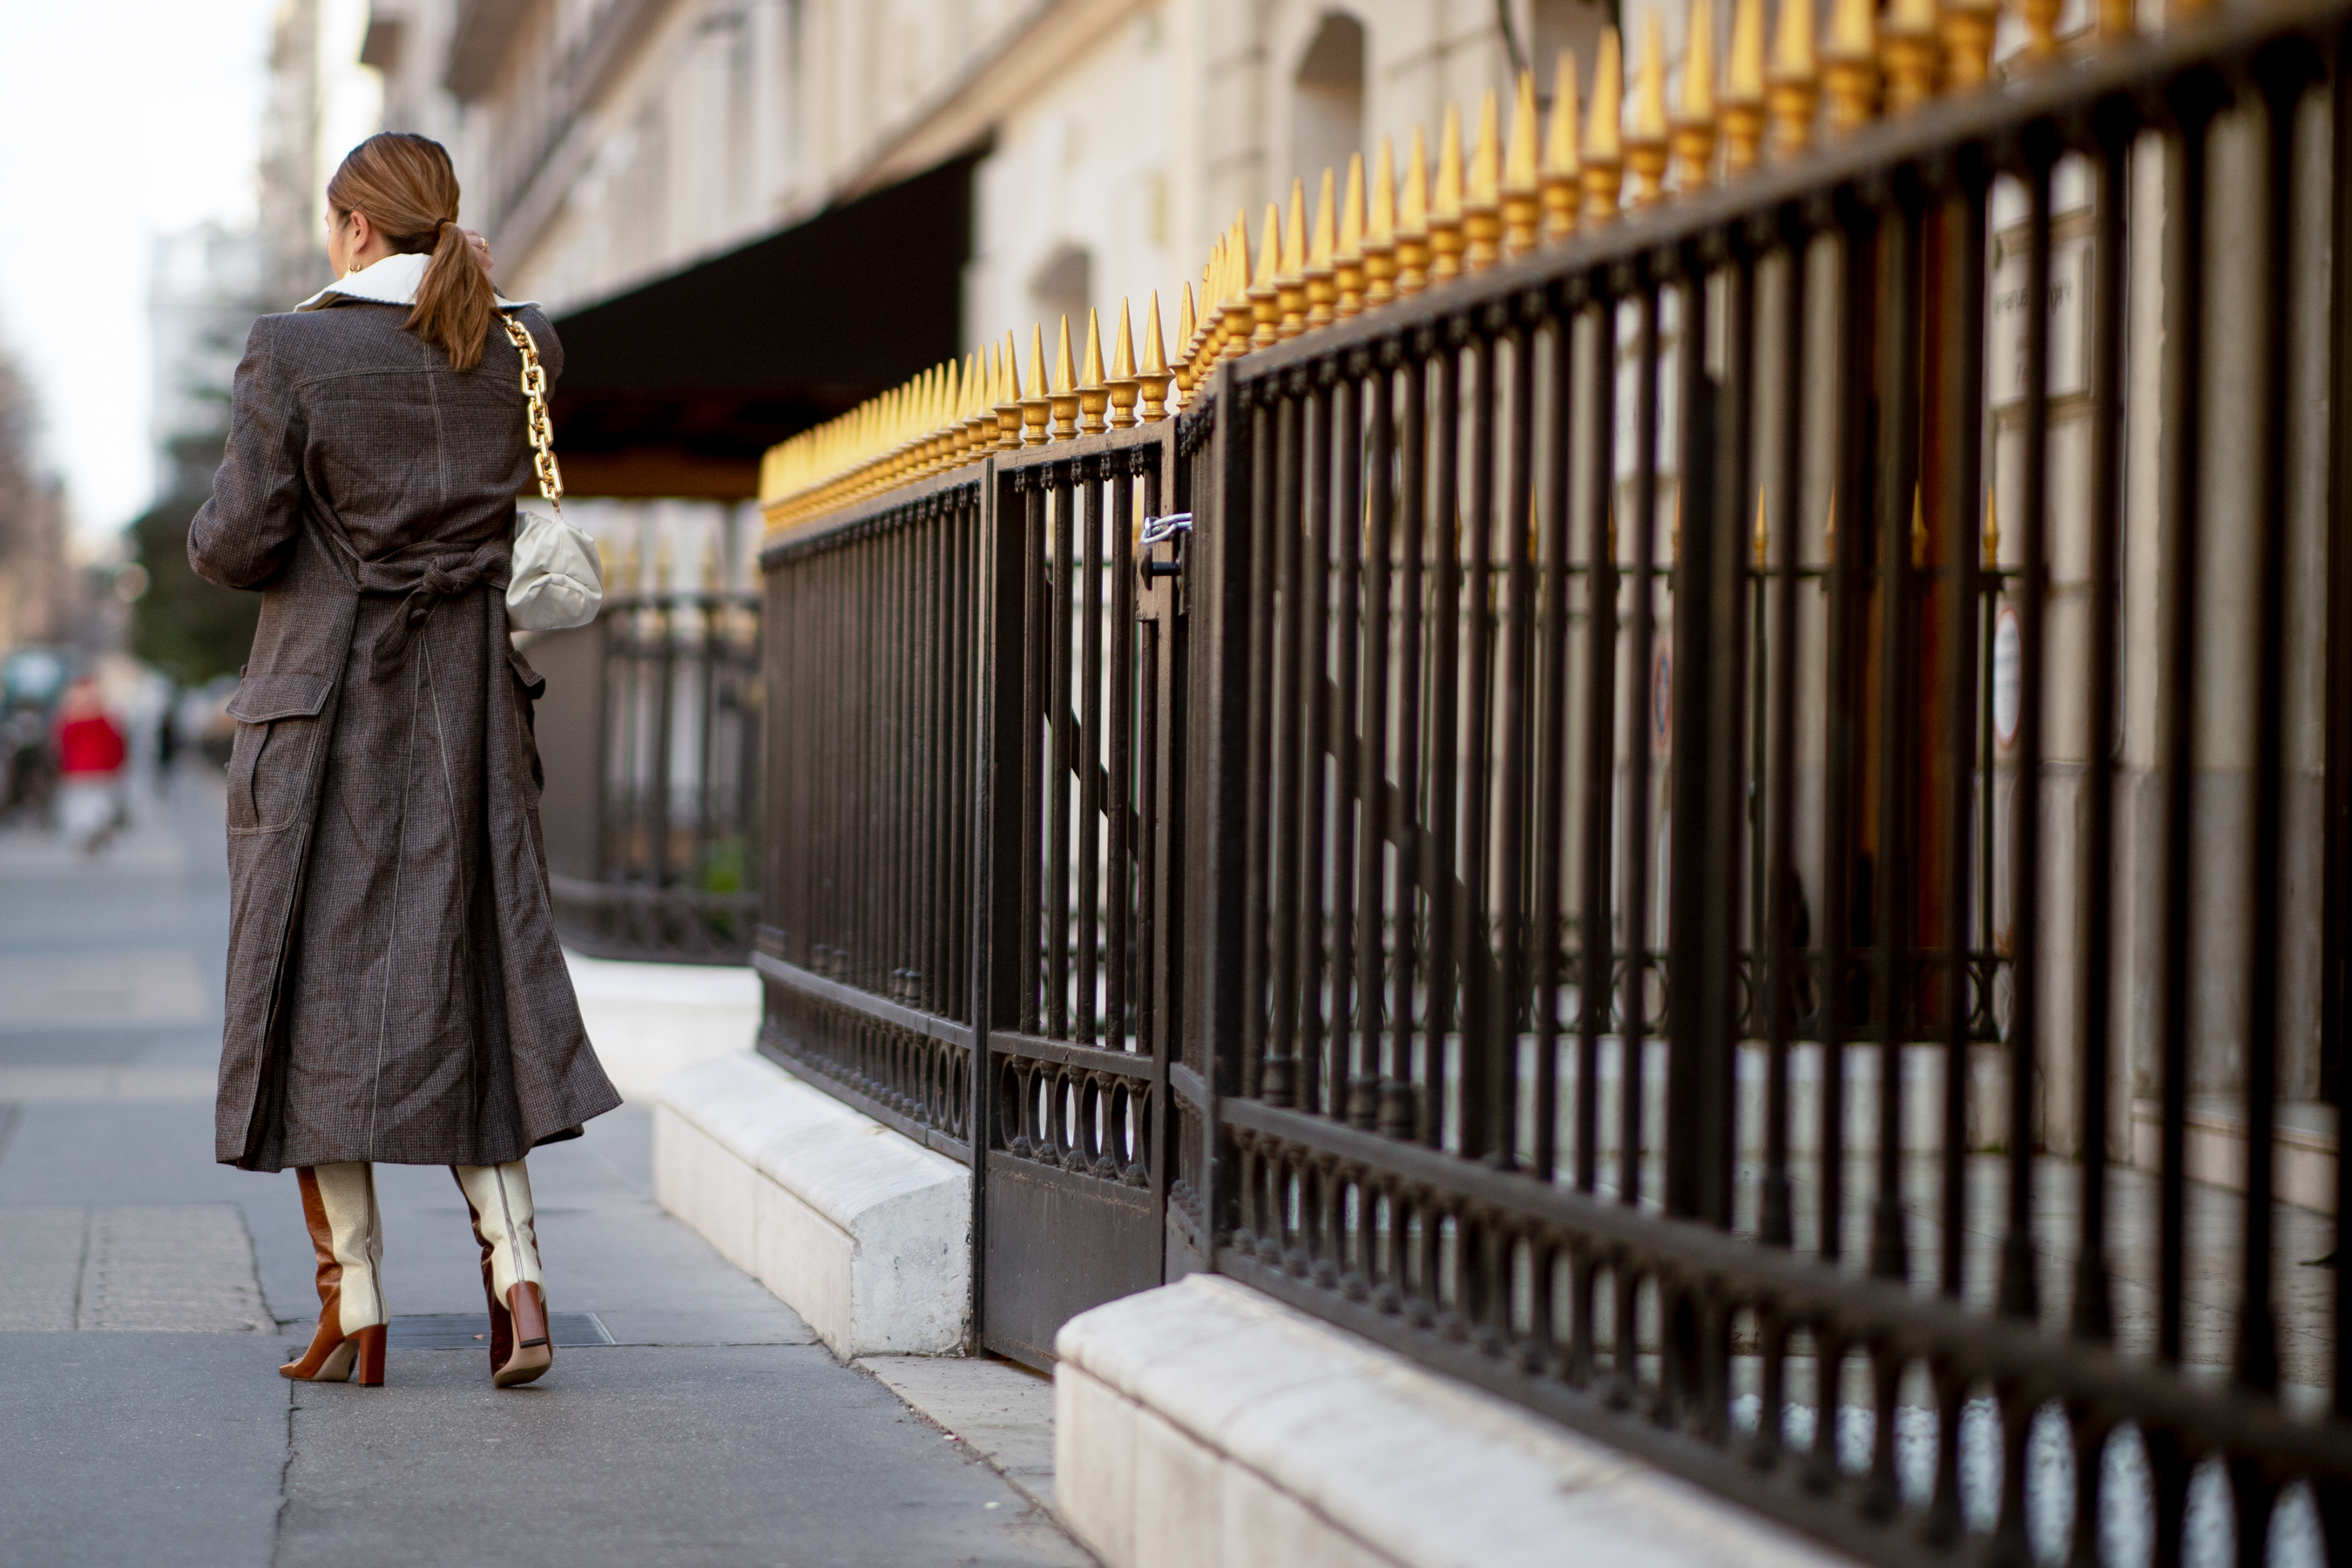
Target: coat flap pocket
[265,695]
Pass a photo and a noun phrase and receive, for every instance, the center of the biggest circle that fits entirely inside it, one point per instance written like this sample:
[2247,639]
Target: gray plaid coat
[395,989]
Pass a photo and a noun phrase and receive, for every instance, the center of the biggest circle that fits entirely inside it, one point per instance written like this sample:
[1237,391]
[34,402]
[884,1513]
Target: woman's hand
[481,246]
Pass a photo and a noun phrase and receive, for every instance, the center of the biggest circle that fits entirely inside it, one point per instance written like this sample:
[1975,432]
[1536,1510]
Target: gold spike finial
[1849,65]
[1380,231]
[1481,205]
[1646,140]
[1966,28]
[1209,326]
[1694,124]
[1604,145]
[1290,282]
[1188,326]
[1522,195]
[1265,297]
[1348,268]
[979,403]
[1153,378]
[1062,396]
[1237,306]
[1322,289]
[1918,529]
[962,436]
[1763,537]
[1123,384]
[1446,239]
[1564,170]
[1907,46]
[1094,392]
[1793,84]
[1412,220]
[1742,114]
[1037,398]
[1992,531]
[962,419]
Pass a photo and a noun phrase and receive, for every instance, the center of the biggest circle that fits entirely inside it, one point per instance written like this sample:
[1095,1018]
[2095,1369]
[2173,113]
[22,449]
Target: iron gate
[977,685]
[1075,1075]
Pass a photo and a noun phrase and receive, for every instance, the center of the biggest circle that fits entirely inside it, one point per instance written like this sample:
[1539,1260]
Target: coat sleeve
[241,537]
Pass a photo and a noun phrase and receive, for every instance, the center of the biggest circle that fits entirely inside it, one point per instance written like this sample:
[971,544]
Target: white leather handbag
[555,580]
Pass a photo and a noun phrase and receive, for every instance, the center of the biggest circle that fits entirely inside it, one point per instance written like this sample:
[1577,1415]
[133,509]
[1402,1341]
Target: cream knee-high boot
[499,1198]
[347,1234]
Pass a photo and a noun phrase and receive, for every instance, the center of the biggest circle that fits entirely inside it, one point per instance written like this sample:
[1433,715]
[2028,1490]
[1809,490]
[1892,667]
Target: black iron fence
[651,760]
[1595,861]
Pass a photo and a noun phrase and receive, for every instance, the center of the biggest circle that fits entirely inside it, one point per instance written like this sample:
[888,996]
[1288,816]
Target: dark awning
[676,388]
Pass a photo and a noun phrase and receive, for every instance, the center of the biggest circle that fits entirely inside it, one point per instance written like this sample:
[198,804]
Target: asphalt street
[148,1294]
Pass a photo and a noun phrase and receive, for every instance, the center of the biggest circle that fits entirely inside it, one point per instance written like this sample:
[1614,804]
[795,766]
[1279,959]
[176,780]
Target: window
[1063,286]
[1327,105]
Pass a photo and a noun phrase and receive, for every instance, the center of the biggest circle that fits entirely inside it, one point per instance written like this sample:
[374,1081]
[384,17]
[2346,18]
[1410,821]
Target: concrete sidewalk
[147,1295]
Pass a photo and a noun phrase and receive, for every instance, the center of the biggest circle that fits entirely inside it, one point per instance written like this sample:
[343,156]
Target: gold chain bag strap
[555,580]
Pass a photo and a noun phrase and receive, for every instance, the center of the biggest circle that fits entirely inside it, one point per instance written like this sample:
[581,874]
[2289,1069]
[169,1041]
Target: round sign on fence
[2008,656]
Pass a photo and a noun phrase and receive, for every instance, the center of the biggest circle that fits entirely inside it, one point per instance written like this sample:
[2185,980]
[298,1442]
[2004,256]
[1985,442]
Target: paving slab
[709,1457]
[140,1450]
[1002,1411]
[181,1267]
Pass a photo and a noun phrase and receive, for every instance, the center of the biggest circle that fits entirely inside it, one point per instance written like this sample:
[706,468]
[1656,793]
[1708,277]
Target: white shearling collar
[392,281]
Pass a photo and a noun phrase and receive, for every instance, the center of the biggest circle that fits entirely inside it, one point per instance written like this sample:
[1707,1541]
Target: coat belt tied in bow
[425,583]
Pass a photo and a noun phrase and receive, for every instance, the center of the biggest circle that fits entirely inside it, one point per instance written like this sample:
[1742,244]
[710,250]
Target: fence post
[1217,805]
[996,923]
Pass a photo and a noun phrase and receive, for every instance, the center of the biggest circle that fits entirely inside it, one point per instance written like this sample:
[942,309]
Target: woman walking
[395,989]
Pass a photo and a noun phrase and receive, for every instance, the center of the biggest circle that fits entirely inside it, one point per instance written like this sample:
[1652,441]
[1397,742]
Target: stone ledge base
[861,1231]
[2302,1147]
[1204,1425]
[649,1020]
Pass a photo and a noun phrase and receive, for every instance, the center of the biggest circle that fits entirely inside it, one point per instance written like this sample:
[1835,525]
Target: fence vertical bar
[1855,248]
[2257,1361]
[1379,822]
[1400,1113]
[1352,806]
[1120,895]
[1031,579]
[1316,741]
[2020,1292]
[2092,1315]
[1632,1028]
[2336,853]
[1778,978]
[1088,753]
[1550,710]
[1515,716]
[1596,940]
[1483,1021]
[1256,878]
[1066,760]
[1281,1070]
[1900,507]
[1441,870]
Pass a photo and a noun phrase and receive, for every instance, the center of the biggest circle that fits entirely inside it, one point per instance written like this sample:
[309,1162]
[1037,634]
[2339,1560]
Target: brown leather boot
[499,1198]
[347,1234]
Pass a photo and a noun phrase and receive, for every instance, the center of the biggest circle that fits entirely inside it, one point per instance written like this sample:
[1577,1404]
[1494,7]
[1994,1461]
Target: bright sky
[120,120]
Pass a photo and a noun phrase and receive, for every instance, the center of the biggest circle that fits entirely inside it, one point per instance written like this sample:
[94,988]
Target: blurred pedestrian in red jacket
[90,754]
